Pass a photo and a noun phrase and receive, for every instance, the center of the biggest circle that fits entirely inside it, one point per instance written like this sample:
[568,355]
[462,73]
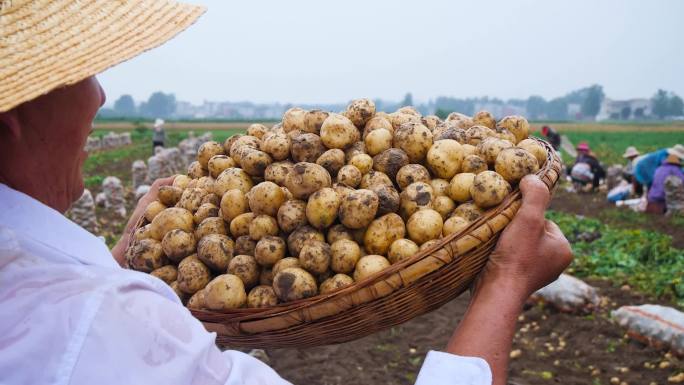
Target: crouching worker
[671,168]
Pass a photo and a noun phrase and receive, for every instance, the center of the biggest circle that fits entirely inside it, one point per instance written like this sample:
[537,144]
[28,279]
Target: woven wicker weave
[405,290]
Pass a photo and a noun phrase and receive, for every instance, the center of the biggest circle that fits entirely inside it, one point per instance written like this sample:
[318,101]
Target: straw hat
[45,44]
[630,152]
[677,150]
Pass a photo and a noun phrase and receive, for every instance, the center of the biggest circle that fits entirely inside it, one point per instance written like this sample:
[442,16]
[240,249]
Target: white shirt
[70,315]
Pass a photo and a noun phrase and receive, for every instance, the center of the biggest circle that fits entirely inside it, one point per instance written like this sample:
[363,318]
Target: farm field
[635,258]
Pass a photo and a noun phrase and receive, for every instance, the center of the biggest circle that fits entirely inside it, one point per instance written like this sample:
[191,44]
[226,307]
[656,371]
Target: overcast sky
[333,51]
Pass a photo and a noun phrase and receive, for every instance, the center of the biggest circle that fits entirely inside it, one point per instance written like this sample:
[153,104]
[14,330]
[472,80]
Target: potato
[277,172]
[181,181]
[321,208]
[453,225]
[294,283]
[378,141]
[389,200]
[277,145]
[306,148]
[269,250]
[169,219]
[331,160]
[443,205]
[246,268]
[355,149]
[401,249]
[363,162]
[215,251]
[233,203]
[261,226]
[241,145]
[266,276]
[349,175]
[167,273]
[459,188]
[444,158]
[197,301]
[228,143]
[377,122]
[313,120]
[369,265]
[469,149]
[142,232]
[375,178]
[211,225]
[285,263]
[207,150]
[307,178]
[293,119]
[424,225]
[191,199]
[205,183]
[360,111]
[254,162]
[244,245]
[414,139]
[490,188]
[398,119]
[240,224]
[476,134]
[469,211]
[232,178]
[485,118]
[412,173]
[416,196]
[212,199]
[225,292]
[473,164]
[514,163]
[390,162]
[490,148]
[344,255]
[409,110]
[439,186]
[146,255]
[517,125]
[218,163]
[431,121]
[153,209]
[178,244]
[382,232]
[193,275]
[195,170]
[534,148]
[336,282]
[463,120]
[358,208]
[169,195]
[300,235]
[262,296]
[337,232]
[206,210]
[315,256]
[453,133]
[266,198]
[291,215]
[257,130]
[505,135]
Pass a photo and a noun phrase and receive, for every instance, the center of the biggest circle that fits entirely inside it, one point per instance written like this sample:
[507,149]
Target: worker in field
[587,170]
[670,168]
[69,314]
[552,136]
[630,155]
[158,135]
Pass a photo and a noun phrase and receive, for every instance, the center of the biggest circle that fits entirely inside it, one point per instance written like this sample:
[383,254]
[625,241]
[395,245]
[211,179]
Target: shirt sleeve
[138,336]
[441,368]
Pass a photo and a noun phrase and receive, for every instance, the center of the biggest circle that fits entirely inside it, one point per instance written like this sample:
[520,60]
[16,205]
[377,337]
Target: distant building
[632,109]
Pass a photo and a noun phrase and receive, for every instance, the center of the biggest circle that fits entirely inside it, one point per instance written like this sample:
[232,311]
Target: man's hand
[120,247]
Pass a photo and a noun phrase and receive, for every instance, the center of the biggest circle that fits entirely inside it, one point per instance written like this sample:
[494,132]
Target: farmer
[586,168]
[159,135]
[552,136]
[70,314]
[631,154]
[671,168]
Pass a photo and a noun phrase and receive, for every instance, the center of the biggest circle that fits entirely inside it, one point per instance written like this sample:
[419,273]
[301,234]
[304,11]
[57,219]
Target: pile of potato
[322,200]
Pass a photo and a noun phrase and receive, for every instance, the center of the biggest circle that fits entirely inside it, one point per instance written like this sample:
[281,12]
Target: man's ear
[9,124]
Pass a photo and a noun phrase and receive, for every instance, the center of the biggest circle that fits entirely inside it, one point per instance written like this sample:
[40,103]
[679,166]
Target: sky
[336,50]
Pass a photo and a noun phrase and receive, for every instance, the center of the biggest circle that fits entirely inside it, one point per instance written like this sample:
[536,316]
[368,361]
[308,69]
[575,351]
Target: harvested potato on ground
[331,160]
[193,275]
[285,263]
[468,149]
[390,161]
[338,232]
[416,196]
[277,145]
[476,134]
[414,139]
[241,145]
[322,207]
[195,170]
[443,205]
[300,235]
[153,209]
[181,181]
[277,172]
[431,121]
[382,232]
[398,119]
[424,225]
[262,296]
[355,149]
[142,232]
[444,158]
[315,256]
[228,143]
[454,225]
[146,255]
[534,148]
[363,162]
[358,208]
[246,268]
[240,225]
[211,225]
[232,178]
[206,210]
[412,173]
[375,178]
[233,203]
[266,198]
[506,135]
[377,122]
[457,116]
[401,249]
[468,210]
[269,250]
[313,120]
[291,215]
[205,183]
[369,265]
[514,163]
[307,178]
[341,189]
[490,188]
[453,133]
[349,176]
[218,163]
[261,226]
[178,244]
[294,283]
[266,276]
[197,301]
[169,195]
[485,118]
[336,282]
[212,199]
[378,141]
[490,148]
[440,186]
[473,164]
[207,150]
[216,251]
[344,255]
[254,162]
[306,148]
[245,245]
[225,292]
[517,125]
[459,187]
[359,111]
[338,131]
[169,219]
[293,119]
[389,200]
[167,273]
[257,130]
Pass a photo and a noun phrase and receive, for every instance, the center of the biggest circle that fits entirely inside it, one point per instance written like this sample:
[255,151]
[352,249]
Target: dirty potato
[277,172]
[206,210]
[240,224]
[266,198]
[262,296]
[534,148]
[469,211]
[195,170]
[291,215]
[444,158]
[349,176]
[246,268]
[360,111]
[169,195]
[459,187]
[331,160]
[338,232]
[261,226]
[232,178]
[414,139]
[215,251]
[293,119]
[369,265]
[389,200]
[285,263]
[313,120]
[363,162]
[277,145]
[169,219]
[218,163]
[146,255]
[473,164]
[443,205]
[490,148]
[306,148]
[178,244]
[412,173]
[358,208]
[294,283]
[378,141]
[338,131]
[390,161]
[485,118]
[315,256]
[344,255]
[233,203]
[322,207]
[193,275]
[207,150]
[336,282]
[307,178]
[382,232]
[424,225]
[244,245]
[153,209]
[514,163]
[227,291]
[416,196]
[440,186]
[490,188]
[517,125]
[181,181]
[211,225]
[269,250]
[375,178]
[257,130]
[167,273]
[401,249]
[300,235]
[453,225]
[254,162]
[476,134]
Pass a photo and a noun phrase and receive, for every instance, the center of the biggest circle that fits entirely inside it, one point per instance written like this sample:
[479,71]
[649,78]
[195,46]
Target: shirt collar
[33,219]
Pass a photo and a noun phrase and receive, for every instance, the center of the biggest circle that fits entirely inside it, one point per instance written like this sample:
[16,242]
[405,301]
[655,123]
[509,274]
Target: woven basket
[405,290]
